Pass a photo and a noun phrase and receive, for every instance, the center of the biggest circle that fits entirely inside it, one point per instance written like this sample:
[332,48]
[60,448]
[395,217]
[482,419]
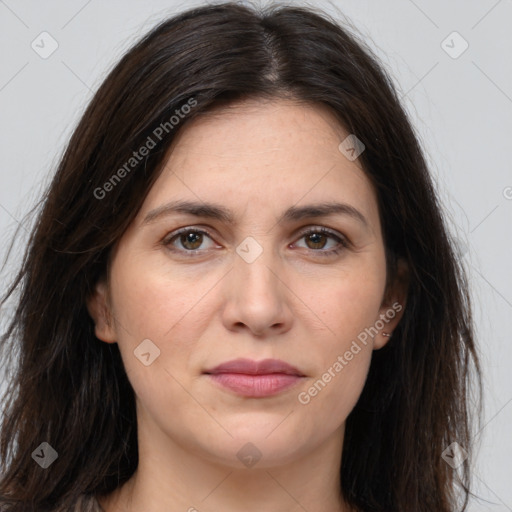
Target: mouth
[255,379]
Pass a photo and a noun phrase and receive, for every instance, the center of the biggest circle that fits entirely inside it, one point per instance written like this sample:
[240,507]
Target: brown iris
[195,239]
[316,239]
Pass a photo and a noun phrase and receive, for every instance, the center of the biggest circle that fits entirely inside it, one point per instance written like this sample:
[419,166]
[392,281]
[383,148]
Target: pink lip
[255,378]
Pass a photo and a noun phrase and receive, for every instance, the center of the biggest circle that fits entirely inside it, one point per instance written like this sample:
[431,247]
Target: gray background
[461,107]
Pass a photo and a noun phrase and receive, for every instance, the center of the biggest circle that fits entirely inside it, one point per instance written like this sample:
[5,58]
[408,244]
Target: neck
[173,476]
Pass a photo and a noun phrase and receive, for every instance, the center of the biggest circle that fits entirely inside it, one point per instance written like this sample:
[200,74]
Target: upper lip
[251,367]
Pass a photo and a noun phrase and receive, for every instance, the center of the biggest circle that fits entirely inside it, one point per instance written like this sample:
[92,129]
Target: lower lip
[256,386]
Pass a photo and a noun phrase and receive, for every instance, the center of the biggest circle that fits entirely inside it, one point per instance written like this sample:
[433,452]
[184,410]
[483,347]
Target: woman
[240,293]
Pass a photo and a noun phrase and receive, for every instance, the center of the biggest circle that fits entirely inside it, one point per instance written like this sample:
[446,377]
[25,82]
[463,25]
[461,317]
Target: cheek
[334,393]
[349,307]
[168,308]
[149,305]
[151,300]
[354,306]
[348,302]
[341,375]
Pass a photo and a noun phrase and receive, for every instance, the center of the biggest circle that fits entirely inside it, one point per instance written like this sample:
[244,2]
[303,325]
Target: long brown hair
[70,390]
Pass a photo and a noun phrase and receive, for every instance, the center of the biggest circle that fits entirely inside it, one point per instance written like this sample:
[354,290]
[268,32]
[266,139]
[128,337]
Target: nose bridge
[255,265]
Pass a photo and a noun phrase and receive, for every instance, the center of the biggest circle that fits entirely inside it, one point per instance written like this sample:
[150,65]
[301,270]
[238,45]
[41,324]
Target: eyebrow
[221,213]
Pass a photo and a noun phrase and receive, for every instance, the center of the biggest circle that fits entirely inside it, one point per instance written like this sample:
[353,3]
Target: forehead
[263,154]
[257,127]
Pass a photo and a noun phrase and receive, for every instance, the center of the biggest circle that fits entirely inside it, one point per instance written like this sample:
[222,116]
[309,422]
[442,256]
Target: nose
[257,299]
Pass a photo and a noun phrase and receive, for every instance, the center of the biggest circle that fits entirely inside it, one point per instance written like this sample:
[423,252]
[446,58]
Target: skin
[256,158]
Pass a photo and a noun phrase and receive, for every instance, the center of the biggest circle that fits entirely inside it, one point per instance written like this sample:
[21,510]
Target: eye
[190,240]
[317,238]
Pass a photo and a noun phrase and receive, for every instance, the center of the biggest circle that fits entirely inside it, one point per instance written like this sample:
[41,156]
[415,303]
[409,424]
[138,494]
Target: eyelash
[342,242]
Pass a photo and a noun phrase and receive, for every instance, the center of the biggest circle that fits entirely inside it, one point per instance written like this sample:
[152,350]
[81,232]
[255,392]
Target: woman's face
[255,287]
